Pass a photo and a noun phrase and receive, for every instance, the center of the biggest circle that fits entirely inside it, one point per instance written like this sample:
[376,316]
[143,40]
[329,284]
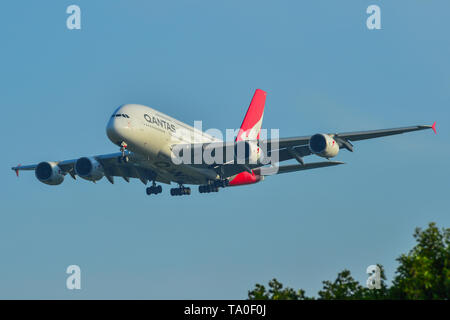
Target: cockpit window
[120,115]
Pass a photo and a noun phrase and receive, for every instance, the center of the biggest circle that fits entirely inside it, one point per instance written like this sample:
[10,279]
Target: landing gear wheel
[154,189]
[220,183]
[207,188]
[180,191]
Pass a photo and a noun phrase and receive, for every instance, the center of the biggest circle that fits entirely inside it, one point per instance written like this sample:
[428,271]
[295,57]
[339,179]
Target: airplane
[148,139]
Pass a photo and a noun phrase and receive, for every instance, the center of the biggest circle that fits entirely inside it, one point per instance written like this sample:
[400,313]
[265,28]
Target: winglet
[434,127]
[17,170]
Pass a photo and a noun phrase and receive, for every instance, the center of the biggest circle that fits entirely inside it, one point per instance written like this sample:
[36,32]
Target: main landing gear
[123,157]
[207,188]
[214,186]
[154,189]
[181,191]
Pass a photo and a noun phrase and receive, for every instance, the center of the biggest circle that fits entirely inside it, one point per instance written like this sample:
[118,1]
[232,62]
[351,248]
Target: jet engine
[49,173]
[246,152]
[89,169]
[323,145]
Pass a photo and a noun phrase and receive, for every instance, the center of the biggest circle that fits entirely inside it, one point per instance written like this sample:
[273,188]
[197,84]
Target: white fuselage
[150,135]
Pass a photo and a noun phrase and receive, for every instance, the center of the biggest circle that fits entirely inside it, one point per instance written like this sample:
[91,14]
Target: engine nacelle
[89,169]
[246,152]
[323,145]
[49,173]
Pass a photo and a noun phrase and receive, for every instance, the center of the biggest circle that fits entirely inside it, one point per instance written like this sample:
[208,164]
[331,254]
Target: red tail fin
[251,126]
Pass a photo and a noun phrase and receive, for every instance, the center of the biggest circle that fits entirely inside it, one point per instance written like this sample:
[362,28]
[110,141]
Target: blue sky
[324,71]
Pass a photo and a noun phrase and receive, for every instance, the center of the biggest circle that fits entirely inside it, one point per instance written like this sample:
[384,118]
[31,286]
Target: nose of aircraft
[111,130]
[117,129]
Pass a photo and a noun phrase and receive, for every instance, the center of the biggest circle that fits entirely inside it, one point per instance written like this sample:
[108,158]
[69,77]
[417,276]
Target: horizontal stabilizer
[268,171]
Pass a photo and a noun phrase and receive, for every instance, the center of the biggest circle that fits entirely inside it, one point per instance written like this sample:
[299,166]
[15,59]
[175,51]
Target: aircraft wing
[134,168]
[295,147]
[288,148]
[347,136]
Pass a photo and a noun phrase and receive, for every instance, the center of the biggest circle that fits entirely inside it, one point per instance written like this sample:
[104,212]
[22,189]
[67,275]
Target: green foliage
[343,288]
[276,292]
[423,273]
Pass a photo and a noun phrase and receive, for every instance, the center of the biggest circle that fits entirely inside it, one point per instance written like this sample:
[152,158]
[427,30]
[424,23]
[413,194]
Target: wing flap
[268,171]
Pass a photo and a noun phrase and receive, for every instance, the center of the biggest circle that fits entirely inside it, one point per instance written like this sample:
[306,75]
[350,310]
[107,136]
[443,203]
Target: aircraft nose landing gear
[154,189]
[123,148]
